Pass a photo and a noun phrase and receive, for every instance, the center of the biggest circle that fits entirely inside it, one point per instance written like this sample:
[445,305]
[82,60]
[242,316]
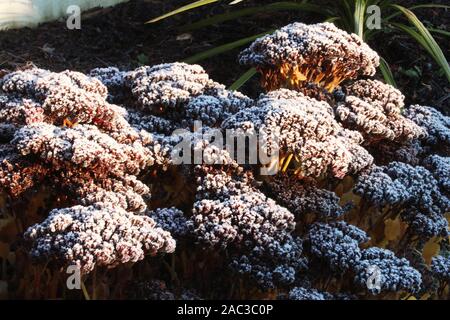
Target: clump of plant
[90,174]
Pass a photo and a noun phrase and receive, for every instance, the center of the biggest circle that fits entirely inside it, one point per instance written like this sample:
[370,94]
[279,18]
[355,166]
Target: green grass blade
[187,7]
[420,6]
[243,79]
[223,48]
[387,73]
[276,6]
[417,36]
[439,31]
[359,17]
[332,19]
[431,43]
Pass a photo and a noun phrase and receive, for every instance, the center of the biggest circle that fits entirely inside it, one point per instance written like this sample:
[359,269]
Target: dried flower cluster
[303,131]
[415,189]
[299,54]
[374,109]
[395,274]
[98,235]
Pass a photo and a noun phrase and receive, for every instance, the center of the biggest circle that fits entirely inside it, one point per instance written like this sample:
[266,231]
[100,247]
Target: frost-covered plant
[337,244]
[436,125]
[167,86]
[302,129]
[299,54]
[299,293]
[395,274]
[112,179]
[303,197]
[440,267]
[98,235]
[375,122]
[414,190]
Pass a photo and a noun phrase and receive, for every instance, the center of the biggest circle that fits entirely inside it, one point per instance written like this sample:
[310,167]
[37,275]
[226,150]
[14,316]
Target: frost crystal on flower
[20,111]
[440,267]
[337,244]
[436,125]
[213,110]
[440,168]
[299,293]
[83,145]
[22,82]
[396,274]
[373,91]
[375,122]
[125,192]
[415,189]
[303,197]
[168,85]
[277,264]
[250,216]
[98,235]
[230,212]
[319,53]
[172,220]
[150,123]
[303,129]
[16,174]
[112,78]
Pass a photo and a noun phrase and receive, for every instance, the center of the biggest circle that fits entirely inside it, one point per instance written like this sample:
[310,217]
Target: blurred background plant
[350,15]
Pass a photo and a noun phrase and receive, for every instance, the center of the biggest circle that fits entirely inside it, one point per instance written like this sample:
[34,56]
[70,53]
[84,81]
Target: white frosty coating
[17,174]
[71,79]
[436,124]
[374,91]
[111,77]
[212,110]
[98,235]
[375,122]
[126,192]
[168,85]
[172,220]
[74,96]
[321,47]
[60,98]
[250,216]
[114,80]
[307,128]
[304,197]
[20,111]
[22,82]
[150,123]
[83,145]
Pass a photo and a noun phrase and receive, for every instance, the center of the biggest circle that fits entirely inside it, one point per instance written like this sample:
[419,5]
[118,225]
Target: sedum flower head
[97,235]
[298,54]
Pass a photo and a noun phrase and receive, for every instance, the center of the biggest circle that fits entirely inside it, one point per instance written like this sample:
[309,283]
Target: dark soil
[118,37]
